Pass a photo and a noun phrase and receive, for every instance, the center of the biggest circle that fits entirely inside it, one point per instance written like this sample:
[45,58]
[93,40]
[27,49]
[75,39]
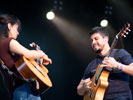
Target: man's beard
[98,51]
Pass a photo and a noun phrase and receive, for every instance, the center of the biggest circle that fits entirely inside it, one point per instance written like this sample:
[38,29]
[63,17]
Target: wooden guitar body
[98,88]
[29,69]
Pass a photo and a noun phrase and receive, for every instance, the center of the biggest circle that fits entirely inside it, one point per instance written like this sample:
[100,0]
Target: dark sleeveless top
[9,60]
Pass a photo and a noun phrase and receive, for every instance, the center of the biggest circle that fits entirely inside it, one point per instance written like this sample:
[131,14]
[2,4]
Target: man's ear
[9,26]
[106,38]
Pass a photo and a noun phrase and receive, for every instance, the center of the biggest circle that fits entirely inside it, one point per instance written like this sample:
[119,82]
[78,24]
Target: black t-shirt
[118,80]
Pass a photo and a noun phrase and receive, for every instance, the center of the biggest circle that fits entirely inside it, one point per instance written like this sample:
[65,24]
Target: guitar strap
[13,75]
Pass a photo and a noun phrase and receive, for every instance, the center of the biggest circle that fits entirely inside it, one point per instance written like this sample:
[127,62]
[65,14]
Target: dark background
[67,43]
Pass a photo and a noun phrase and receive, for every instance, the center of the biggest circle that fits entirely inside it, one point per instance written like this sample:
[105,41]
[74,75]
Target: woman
[10,51]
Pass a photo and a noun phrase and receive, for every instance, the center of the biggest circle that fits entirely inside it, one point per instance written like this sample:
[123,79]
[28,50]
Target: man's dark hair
[101,30]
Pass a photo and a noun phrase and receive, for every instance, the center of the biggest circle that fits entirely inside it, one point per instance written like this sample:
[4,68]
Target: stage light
[58,5]
[104,23]
[50,15]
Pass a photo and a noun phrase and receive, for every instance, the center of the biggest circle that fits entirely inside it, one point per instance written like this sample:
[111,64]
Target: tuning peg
[129,30]
[127,33]
[124,36]
[31,45]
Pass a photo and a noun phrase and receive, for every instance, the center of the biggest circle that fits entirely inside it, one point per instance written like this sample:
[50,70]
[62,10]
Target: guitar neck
[112,47]
[108,55]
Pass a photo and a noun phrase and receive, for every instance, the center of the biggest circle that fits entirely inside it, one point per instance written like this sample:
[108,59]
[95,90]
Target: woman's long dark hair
[4,20]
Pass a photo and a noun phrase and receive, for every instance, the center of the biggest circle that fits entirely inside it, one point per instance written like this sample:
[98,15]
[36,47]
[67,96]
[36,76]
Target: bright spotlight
[50,15]
[104,23]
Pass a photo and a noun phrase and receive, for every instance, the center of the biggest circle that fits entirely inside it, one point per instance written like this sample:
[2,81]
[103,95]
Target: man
[118,88]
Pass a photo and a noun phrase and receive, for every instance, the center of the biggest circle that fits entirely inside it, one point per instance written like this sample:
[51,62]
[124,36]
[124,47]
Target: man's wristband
[120,67]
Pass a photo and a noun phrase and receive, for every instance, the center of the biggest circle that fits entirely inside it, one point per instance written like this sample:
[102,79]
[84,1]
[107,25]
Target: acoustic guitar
[100,78]
[30,69]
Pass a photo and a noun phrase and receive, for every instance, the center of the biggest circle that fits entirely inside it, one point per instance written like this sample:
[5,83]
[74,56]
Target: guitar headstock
[124,31]
[35,45]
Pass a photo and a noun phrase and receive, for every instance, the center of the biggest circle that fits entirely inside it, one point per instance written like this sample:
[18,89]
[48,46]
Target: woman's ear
[9,26]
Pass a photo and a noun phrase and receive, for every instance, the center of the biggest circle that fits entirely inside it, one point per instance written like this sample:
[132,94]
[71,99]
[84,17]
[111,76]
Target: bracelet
[119,66]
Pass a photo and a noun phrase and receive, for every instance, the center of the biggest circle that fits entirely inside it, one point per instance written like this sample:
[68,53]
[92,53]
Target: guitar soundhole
[37,67]
[96,80]
[90,94]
